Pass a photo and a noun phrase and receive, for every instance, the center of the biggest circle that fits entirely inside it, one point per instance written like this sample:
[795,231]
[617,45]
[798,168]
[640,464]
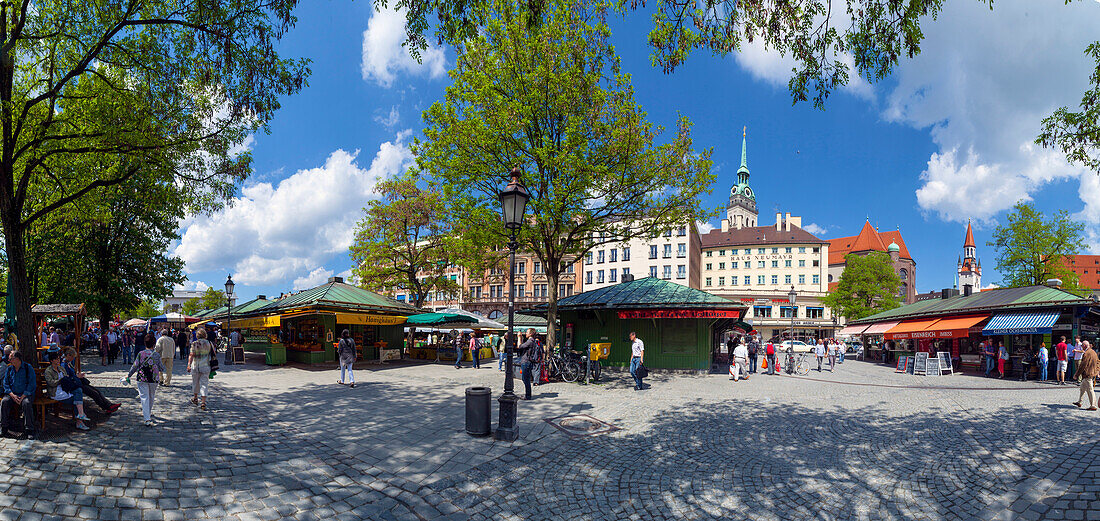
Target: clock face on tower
[748,192]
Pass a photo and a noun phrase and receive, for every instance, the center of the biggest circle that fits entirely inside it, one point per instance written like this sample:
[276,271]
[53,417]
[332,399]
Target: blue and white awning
[1034,323]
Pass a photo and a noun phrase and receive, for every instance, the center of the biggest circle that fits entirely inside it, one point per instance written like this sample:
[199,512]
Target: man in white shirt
[637,356]
[166,348]
[819,351]
[740,359]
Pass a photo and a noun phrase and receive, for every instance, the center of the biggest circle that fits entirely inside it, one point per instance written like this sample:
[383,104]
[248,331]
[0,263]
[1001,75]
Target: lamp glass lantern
[513,202]
[792,295]
[229,288]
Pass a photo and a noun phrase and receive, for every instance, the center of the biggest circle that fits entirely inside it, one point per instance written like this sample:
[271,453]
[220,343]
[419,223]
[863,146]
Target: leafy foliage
[867,286]
[191,306]
[144,309]
[1077,134]
[817,34]
[402,242]
[172,85]
[213,299]
[1032,248]
[547,94]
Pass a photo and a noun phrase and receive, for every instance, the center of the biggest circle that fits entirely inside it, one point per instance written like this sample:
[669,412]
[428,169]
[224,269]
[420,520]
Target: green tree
[173,84]
[144,309]
[546,93]
[815,33]
[191,306]
[1077,134]
[402,242]
[867,286]
[1032,248]
[213,298]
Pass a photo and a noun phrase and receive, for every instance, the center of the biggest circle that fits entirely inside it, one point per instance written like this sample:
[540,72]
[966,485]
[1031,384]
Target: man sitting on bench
[18,387]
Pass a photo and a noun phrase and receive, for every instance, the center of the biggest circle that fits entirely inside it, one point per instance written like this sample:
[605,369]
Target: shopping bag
[544,375]
[764,366]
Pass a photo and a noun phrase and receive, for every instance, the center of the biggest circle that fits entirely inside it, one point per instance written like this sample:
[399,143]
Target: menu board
[933,367]
[903,363]
[920,364]
[945,362]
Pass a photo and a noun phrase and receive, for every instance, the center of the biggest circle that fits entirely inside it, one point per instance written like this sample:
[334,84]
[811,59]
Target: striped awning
[880,328]
[1034,323]
[852,330]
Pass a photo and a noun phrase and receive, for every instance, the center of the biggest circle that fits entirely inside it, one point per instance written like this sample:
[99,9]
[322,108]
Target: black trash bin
[478,411]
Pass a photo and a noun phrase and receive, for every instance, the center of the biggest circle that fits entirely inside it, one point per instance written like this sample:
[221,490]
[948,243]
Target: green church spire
[744,150]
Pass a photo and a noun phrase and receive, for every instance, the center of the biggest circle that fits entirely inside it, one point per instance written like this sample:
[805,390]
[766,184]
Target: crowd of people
[745,355]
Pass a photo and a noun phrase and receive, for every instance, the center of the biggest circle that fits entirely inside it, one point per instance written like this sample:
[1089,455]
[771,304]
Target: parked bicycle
[564,365]
[800,365]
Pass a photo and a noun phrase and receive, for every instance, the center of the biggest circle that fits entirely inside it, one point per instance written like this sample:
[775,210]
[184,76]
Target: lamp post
[513,205]
[794,311]
[229,315]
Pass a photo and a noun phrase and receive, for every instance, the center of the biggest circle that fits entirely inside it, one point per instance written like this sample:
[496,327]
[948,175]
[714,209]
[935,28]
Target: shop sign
[369,320]
[679,313]
[911,335]
[780,300]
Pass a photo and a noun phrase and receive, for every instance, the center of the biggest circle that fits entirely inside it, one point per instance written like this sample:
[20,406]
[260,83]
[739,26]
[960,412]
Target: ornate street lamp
[228,315]
[513,206]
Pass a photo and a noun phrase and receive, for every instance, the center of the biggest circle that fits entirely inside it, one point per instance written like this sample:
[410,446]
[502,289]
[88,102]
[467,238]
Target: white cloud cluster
[192,285]
[389,121]
[276,233]
[384,56]
[704,227]
[815,229]
[315,278]
[981,85]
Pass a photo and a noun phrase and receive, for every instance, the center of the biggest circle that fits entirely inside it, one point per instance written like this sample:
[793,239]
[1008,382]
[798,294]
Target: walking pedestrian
[832,356]
[1087,370]
[112,346]
[740,360]
[182,342]
[475,350]
[345,349]
[128,337]
[754,346]
[1002,357]
[527,359]
[148,368]
[456,342]
[1078,354]
[1060,353]
[637,359]
[198,364]
[497,344]
[166,349]
[841,347]
[819,352]
[1042,357]
[769,353]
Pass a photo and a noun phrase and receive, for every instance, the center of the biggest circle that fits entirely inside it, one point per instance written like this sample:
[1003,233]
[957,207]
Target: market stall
[72,314]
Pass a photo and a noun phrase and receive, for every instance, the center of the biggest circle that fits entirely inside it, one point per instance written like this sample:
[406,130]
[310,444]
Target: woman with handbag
[148,367]
[65,389]
[199,365]
[345,349]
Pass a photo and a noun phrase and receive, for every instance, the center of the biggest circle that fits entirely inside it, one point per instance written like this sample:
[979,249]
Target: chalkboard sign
[920,365]
[933,367]
[237,353]
[945,362]
[909,364]
[902,364]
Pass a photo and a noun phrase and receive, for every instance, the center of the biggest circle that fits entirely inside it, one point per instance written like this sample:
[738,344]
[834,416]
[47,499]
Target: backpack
[146,370]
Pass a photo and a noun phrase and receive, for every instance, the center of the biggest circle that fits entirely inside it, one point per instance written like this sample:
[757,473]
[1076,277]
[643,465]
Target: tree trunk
[552,277]
[20,287]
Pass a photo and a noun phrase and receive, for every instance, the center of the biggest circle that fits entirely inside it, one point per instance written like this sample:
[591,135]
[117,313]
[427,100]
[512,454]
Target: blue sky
[943,140]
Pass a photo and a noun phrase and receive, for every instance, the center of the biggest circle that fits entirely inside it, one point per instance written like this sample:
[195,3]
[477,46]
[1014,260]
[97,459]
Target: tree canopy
[402,241]
[1033,248]
[546,93]
[867,286]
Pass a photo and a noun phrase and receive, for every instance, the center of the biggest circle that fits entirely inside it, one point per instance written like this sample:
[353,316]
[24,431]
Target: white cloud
[704,227]
[315,278]
[991,285]
[981,85]
[193,285]
[389,121]
[276,233]
[815,229]
[384,55]
[349,277]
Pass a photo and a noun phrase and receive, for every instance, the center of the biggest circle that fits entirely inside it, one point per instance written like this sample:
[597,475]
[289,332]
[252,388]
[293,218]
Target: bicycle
[564,366]
[801,366]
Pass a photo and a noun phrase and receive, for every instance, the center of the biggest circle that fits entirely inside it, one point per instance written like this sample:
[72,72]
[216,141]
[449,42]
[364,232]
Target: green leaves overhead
[1032,248]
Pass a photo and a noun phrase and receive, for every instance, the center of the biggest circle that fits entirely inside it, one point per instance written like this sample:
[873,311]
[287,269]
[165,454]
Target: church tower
[741,211]
[970,267]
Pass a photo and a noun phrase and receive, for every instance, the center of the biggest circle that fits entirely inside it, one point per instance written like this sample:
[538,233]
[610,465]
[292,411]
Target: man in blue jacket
[18,388]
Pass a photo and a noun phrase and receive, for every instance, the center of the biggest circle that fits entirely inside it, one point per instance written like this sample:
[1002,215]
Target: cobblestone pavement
[288,443]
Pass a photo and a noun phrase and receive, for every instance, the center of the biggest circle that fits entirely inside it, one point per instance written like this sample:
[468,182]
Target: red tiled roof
[758,235]
[867,240]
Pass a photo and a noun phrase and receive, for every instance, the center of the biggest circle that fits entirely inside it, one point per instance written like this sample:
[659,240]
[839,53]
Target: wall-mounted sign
[680,313]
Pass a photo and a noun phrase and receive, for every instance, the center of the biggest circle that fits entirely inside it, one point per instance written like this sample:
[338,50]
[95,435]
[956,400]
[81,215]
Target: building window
[521,268]
[802,264]
[653,251]
[733,265]
[733,281]
[817,263]
[816,249]
[733,251]
[788,312]
[613,254]
[588,258]
[802,250]
[775,250]
[400,298]
[721,253]
[475,292]
[626,271]
[721,281]
[708,253]
[748,265]
[787,263]
[815,312]
[538,267]
[903,290]
[789,249]
[667,272]
[760,251]
[760,280]
[760,264]
[762,311]
[668,251]
[707,281]
[786,279]
[709,266]
[613,275]
[681,250]
[681,231]
[904,274]
[569,268]
[588,277]
[496,291]
[681,272]
[626,254]
[817,279]
[653,271]
[830,279]
[748,280]
[775,279]
[542,290]
[668,233]
[599,277]
[801,279]
[521,291]
[721,265]
[599,257]
[775,264]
